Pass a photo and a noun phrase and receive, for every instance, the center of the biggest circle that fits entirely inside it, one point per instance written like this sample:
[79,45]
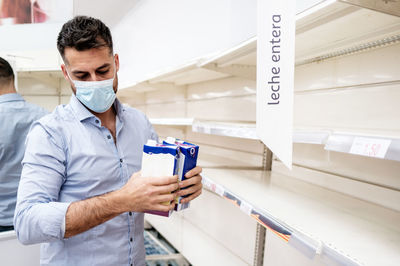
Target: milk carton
[187,160]
[159,160]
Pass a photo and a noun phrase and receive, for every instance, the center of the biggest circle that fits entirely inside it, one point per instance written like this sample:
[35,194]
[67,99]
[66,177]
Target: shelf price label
[219,190]
[246,208]
[370,147]
[206,183]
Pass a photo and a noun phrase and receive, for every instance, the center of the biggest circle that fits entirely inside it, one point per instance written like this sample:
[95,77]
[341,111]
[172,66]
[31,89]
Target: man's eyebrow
[103,66]
[77,72]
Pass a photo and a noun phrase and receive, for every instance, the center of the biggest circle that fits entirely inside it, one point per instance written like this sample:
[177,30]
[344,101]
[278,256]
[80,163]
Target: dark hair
[6,72]
[84,33]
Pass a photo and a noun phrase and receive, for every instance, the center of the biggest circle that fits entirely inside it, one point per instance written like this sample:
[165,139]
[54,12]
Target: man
[81,193]
[16,117]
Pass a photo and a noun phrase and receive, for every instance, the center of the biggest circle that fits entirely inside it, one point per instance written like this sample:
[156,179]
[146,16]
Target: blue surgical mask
[98,96]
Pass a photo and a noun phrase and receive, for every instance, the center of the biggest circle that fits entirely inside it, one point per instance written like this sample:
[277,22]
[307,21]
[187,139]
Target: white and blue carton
[160,160]
[187,160]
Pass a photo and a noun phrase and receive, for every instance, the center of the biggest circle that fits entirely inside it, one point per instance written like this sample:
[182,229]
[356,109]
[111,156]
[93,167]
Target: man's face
[95,64]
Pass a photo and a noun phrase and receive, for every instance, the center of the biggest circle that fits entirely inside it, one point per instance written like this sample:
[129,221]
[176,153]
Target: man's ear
[116,58]
[64,70]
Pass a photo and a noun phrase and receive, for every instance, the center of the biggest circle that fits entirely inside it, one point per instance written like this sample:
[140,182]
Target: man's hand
[149,193]
[138,194]
[192,186]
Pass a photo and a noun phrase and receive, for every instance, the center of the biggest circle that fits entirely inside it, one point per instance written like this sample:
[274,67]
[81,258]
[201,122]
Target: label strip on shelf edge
[304,244]
[262,218]
[330,254]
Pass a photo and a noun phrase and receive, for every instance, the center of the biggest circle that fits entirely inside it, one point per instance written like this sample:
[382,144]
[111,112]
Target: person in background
[81,193]
[16,117]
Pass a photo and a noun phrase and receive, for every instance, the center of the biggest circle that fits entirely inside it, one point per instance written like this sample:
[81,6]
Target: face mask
[98,96]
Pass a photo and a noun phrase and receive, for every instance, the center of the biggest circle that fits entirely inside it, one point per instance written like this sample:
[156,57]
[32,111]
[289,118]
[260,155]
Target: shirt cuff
[63,228]
[59,210]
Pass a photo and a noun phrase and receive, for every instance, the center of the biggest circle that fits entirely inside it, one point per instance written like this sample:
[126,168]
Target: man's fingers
[165,198]
[163,208]
[191,197]
[166,188]
[190,181]
[163,180]
[190,190]
[195,171]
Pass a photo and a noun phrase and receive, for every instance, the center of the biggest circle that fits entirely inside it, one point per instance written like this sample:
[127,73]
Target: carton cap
[151,142]
[170,140]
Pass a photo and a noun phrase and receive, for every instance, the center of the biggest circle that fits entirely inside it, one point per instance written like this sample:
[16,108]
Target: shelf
[242,54]
[188,75]
[39,73]
[157,251]
[310,137]
[339,27]
[248,131]
[314,220]
[176,76]
[373,146]
[172,121]
[370,146]
[238,130]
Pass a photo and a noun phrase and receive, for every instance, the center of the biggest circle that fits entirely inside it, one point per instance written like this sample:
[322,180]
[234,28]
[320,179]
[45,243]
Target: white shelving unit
[317,24]
[339,142]
[296,212]
[238,130]
[172,121]
[347,78]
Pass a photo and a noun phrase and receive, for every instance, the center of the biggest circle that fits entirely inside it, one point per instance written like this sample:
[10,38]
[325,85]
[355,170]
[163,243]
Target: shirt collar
[10,97]
[80,110]
[83,113]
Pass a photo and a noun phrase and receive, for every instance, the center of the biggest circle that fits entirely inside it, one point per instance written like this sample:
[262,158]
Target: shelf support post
[260,245]
[267,159]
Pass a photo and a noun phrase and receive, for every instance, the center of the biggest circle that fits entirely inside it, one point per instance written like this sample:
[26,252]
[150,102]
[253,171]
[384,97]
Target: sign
[370,147]
[275,74]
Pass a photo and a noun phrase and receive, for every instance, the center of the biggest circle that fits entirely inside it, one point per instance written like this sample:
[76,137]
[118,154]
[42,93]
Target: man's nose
[94,77]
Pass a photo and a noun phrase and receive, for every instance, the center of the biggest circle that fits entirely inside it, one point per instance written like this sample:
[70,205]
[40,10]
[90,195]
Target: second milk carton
[187,160]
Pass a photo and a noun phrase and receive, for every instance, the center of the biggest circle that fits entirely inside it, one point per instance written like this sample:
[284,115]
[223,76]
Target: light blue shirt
[71,157]
[16,117]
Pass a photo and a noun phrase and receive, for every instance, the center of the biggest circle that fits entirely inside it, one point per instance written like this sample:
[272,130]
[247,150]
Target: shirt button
[130,239]
[121,160]
[130,213]
[109,137]
[97,121]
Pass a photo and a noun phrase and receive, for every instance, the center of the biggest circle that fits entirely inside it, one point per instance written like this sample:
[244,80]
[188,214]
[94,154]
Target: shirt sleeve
[38,215]
[152,133]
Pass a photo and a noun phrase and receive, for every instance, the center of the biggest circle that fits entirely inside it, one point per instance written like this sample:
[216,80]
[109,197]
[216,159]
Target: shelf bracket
[267,159]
